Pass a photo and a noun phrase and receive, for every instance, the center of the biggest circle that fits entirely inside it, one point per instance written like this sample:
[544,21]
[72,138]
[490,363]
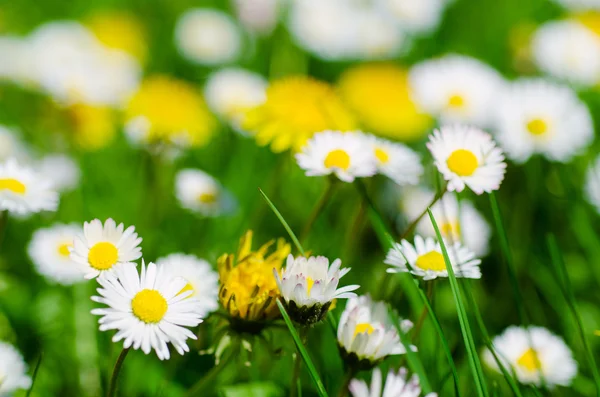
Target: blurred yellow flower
[165,109]
[379,95]
[295,109]
[590,19]
[93,127]
[248,289]
[120,30]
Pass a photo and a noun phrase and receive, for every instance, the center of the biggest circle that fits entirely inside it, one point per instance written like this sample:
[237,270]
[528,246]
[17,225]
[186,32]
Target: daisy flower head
[396,385]
[366,335]
[538,116]
[415,17]
[149,309]
[20,69]
[49,252]
[395,160]
[341,153]
[579,5]
[377,36]
[309,285]
[61,170]
[592,184]
[296,108]
[536,355]
[202,194]
[100,247]
[424,258]
[467,156]
[455,88]
[201,279]
[13,370]
[208,37]
[258,16]
[24,191]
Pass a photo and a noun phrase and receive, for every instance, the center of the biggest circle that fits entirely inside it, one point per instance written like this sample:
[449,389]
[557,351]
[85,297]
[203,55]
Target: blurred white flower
[580,5]
[149,309]
[259,16]
[11,145]
[19,69]
[49,252]
[456,88]
[208,37]
[396,385]
[378,36]
[13,371]
[592,184]
[538,116]
[532,352]
[395,160]
[61,170]
[201,193]
[414,17]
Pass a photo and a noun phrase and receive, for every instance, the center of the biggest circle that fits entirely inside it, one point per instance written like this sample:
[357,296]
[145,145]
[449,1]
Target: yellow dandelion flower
[248,288]
[379,96]
[590,19]
[120,30]
[168,110]
[295,109]
[93,127]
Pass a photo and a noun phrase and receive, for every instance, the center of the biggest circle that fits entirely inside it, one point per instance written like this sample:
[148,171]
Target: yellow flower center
[456,101]
[63,249]
[382,155]
[207,198]
[338,158]
[462,162]
[529,360]
[121,31]
[450,229]
[431,261]
[149,306]
[537,127]
[103,256]
[309,284]
[93,127]
[362,328]
[13,185]
[188,287]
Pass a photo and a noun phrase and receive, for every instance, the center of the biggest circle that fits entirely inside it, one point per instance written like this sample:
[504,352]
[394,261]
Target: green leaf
[283,222]
[256,389]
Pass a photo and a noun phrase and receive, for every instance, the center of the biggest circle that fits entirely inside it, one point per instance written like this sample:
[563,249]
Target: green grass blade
[35,373]
[283,222]
[567,289]
[467,334]
[302,350]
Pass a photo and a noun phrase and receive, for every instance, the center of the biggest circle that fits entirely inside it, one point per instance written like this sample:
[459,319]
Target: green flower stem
[350,373]
[207,380]
[115,375]
[414,223]
[319,207]
[3,225]
[294,386]
[421,320]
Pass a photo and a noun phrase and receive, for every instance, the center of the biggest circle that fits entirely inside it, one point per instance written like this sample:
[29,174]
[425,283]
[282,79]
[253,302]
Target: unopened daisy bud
[309,285]
[396,385]
[149,309]
[536,356]
[425,259]
[201,193]
[13,370]
[467,156]
[365,334]
[592,184]
[100,247]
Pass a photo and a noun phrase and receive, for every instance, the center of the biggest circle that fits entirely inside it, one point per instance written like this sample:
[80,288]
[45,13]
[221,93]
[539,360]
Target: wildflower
[149,309]
[49,252]
[455,89]
[335,152]
[365,334]
[23,191]
[592,184]
[414,17]
[248,290]
[425,259]
[11,145]
[532,352]
[100,247]
[20,69]
[208,37]
[119,30]
[537,116]
[258,16]
[394,160]
[309,285]
[295,109]
[201,279]
[396,385]
[169,111]
[201,193]
[13,370]
[467,156]
[61,170]
[93,127]
[379,96]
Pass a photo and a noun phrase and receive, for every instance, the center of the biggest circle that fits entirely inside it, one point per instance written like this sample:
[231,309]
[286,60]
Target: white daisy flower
[49,252]
[592,184]
[378,36]
[11,145]
[61,170]
[395,160]
[339,153]
[396,385]
[149,309]
[366,334]
[23,191]
[258,16]
[456,89]
[458,220]
[580,5]
[415,17]
[13,371]
[531,351]
[425,259]
[568,50]
[467,156]
[201,193]
[230,92]
[208,37]
[201,279]
[309,285]
[537,116]
[20,68]
[101,247]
